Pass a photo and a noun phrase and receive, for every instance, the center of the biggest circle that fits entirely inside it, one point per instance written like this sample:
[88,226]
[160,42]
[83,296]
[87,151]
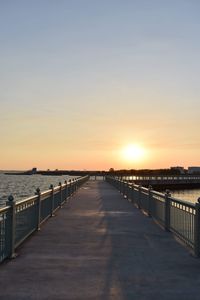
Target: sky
[80,80]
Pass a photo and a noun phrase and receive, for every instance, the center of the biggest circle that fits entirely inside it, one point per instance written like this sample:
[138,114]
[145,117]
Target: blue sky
[96,75]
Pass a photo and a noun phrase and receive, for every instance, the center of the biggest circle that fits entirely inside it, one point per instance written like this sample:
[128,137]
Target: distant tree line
[144,172]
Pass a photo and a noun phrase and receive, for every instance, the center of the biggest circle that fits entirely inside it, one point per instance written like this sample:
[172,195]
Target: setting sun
[133,153]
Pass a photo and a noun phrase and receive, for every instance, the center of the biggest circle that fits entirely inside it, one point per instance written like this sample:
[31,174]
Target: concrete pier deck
[99,247]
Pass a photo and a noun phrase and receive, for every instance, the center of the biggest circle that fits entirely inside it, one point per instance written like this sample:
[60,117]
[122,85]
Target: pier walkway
[99,246]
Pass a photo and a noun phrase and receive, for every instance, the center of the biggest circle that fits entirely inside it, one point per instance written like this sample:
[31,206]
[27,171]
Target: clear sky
[82,79]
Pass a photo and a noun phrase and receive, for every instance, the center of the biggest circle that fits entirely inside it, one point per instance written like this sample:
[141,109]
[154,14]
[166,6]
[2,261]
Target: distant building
[193,170]
[34,171]
[181,170]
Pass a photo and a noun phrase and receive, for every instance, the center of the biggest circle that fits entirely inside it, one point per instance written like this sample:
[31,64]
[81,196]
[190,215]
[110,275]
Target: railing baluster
[60,191]
[196,230]
[52,200]
[12,230]
[167,210]
[38,193]
[150,201]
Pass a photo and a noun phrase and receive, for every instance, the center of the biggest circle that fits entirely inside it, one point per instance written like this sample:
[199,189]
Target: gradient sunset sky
[82,79]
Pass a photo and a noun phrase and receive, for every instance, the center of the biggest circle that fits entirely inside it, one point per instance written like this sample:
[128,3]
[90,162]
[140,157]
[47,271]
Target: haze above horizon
[99,84]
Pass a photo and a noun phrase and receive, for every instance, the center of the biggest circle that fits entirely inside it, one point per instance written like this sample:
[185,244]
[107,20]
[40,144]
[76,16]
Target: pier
[161,182]
[100,246]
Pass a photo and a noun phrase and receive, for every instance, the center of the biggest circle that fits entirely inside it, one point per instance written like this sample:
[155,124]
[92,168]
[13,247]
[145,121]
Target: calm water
[187,195]
[24,186]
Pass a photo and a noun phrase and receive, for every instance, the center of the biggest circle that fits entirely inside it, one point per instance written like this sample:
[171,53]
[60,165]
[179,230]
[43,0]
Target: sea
[190,195]
[23,186]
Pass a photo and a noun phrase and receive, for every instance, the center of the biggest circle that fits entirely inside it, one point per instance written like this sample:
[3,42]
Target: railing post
[74,188]
[60,184]
[150,201]
[70,187]
[197,229]
[52,200]
[167,210]
[12,230]
[124,189]
[118,184]
[120,187]
[132,193]
[127,191]
[66,192]
[38,193]
[139,198]
[76,185]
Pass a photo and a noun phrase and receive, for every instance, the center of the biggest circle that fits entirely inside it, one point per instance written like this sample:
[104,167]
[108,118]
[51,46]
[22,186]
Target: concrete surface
[99,246]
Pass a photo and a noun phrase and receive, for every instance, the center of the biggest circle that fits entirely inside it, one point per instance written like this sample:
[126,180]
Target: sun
[133,153]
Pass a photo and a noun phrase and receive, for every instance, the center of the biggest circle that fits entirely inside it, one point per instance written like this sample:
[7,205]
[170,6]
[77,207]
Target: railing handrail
[157,193]
[4,208]
[184,202]
[163,176]
[43,193]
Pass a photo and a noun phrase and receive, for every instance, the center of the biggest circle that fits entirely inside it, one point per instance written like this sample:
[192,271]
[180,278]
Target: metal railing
[20,219]
[162,179]
[178,216]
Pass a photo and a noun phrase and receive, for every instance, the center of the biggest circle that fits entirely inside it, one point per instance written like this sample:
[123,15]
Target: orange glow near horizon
[95,156]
